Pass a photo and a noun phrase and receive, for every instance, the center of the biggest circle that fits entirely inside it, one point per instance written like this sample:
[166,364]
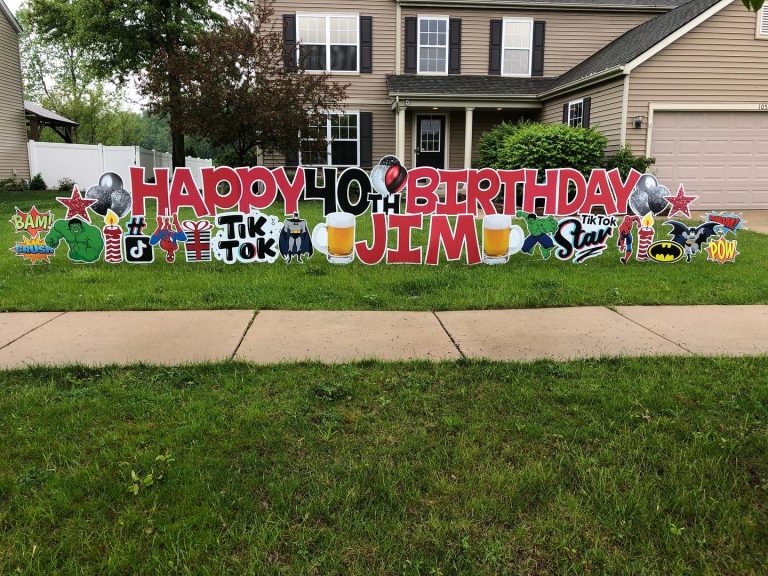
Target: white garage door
[720,156]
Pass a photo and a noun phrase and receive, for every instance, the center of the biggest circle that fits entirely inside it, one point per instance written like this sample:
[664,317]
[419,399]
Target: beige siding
[570,37]
[605,113]
[719,61]
[13,131]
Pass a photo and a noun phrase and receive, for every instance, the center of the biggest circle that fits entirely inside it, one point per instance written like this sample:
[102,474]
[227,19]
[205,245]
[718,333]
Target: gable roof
[32,109]
[636,42]
[11,18]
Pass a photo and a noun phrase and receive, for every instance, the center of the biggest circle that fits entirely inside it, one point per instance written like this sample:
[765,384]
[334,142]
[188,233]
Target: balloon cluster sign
[476,216]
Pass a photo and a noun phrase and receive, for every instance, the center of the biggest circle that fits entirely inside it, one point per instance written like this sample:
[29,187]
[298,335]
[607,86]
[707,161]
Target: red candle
[113,251]
[645,236]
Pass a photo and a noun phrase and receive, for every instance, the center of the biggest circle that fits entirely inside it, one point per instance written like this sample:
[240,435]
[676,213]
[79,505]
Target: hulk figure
[540,232]
[84,240]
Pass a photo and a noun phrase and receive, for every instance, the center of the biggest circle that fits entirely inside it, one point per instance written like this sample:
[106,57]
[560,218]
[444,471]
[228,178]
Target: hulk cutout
[84,240]
[540,232]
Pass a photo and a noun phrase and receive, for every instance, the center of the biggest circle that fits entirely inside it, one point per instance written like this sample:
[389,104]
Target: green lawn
[604,467]
[525,282]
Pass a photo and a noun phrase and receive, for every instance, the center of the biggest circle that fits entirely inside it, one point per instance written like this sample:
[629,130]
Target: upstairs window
[328,42]
[576,113]
[517,48]
[762,23]
[433,45]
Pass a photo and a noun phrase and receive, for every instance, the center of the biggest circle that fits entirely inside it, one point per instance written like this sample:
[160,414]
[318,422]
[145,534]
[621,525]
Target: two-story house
[14,160]
[685,82]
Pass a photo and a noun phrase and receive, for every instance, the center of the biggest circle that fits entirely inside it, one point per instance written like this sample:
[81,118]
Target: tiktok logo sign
[137,247]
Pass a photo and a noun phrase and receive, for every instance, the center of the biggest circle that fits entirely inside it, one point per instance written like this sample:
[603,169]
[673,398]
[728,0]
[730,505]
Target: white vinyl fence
[85,163]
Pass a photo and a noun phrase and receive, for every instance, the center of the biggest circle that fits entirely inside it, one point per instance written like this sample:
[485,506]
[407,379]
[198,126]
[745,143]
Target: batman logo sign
[665,251]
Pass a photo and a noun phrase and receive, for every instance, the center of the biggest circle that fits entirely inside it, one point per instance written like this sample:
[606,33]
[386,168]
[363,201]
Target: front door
[430,140]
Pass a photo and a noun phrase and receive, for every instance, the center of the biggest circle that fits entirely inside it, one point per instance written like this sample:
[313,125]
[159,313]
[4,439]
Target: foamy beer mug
[336,237]
[500,239]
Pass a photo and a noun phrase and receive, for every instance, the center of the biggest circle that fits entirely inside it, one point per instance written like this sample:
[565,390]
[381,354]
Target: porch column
[400,133]
[468,119]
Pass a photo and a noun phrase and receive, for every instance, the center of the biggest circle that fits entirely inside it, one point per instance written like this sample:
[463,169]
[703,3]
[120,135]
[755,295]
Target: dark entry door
[430,140]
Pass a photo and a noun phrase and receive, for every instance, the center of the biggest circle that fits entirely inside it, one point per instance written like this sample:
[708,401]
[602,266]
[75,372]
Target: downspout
[624,112]
[398,38]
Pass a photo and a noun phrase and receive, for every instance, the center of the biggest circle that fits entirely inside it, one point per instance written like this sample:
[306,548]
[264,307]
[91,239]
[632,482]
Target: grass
[525,282]
[654,466]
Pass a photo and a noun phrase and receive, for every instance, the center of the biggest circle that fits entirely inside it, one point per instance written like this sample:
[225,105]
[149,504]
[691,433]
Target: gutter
[442,96]
[580,6]
[582,82]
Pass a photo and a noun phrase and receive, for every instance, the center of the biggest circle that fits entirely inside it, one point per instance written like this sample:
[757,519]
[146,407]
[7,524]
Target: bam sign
[559,212]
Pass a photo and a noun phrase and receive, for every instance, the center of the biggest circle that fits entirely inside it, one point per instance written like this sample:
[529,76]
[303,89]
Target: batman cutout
[295,239]
[691,238]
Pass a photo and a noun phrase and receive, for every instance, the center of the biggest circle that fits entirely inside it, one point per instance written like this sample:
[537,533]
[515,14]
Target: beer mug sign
[500,239]
[336,237]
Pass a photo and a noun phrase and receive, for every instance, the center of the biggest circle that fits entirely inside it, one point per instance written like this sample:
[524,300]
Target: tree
[59,75]
[237,91]
[125,37]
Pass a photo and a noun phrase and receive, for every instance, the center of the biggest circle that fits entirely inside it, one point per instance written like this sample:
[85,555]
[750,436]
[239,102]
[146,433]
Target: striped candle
[113,250]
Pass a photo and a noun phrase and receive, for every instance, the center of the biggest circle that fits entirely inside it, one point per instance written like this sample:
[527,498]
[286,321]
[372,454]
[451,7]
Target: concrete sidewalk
[180,337]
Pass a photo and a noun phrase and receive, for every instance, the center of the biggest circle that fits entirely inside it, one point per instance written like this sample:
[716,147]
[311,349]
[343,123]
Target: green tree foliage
[59,76]
[237,92]
[545,146]
[492,141]
[625,160]
[123,39]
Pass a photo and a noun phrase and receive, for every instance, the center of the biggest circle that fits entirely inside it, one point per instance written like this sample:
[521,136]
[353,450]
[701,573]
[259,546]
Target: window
[328,42]
[430,135]
[517,42]
[762,23]
[433,45]
[576,113]
[340,132]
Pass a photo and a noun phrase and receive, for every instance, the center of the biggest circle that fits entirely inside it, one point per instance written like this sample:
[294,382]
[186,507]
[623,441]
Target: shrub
[625,160]
[491,142]
[544,146]
[37,183]
[12,185]
[65,185]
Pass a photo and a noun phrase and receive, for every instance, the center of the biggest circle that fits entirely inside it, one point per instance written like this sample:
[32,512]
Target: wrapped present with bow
[198,244]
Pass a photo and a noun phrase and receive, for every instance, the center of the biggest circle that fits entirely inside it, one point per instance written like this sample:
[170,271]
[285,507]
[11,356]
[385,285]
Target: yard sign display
[560,214]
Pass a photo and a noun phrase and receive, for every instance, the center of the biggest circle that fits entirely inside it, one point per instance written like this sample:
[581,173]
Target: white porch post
[400,133]
[468,120]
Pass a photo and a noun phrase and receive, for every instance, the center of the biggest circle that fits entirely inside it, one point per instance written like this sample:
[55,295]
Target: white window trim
[447,20]
[571,103]
[504,48]
[328,131]
[328,16]
[760,18]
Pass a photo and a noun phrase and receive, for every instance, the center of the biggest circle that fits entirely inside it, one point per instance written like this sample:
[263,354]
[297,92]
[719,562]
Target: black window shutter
[454,46]
[494,59]
[537,66]
[289,41]
[366,44]
[411,44]
[587,108]
[565,113]
[292,158]
[366,139]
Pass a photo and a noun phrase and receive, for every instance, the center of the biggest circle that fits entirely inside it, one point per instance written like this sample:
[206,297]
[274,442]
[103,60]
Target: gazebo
[39,118]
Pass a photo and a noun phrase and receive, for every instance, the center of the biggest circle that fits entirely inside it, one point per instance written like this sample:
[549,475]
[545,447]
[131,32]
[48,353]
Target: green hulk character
[84,240]
[540,232]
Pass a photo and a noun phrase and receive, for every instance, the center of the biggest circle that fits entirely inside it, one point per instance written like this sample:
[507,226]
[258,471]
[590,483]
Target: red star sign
[680,202]
[77,206]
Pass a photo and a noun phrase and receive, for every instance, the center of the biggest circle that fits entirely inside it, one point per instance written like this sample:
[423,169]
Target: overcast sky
[13,4]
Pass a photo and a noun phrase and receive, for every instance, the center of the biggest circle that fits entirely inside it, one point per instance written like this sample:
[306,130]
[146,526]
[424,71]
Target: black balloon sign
[110,195]
[648,196]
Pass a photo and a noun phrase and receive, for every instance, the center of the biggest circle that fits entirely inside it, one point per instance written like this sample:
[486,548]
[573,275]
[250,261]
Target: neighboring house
[13,130]
[684,82]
